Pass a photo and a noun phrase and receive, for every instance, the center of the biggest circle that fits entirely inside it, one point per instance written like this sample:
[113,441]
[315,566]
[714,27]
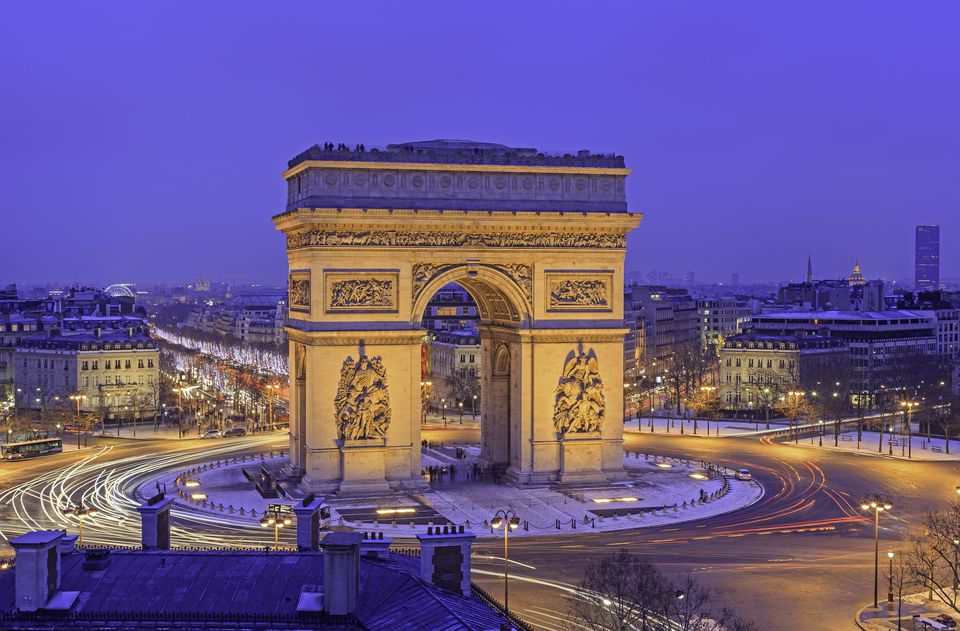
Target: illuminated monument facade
[538,240]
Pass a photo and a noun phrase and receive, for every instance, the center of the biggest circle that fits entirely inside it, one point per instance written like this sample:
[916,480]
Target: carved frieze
[362,292]
[579,405]
[327,238]
[578,293]
[579,290]
[300,291]
[362,402]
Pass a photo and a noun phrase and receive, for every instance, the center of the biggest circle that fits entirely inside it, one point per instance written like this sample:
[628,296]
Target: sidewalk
[922,450]
[885,616]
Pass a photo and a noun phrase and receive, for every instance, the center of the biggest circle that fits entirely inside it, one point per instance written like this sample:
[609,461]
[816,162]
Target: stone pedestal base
[362,466]
[580,458]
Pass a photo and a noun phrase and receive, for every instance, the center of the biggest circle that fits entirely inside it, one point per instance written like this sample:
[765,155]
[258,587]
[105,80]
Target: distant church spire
[809,268]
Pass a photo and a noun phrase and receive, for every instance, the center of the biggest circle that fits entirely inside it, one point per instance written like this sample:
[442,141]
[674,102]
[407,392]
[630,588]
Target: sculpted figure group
[579,405]
[362,402]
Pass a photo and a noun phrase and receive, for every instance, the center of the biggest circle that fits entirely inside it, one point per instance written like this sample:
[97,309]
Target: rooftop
[447,151]
[255,587]
[851,316]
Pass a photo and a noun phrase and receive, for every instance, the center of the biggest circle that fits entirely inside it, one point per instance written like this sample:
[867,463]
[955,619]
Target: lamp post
[907,419]
[78,398]
[272,388]
[821,432]
[509,521]
[890,439]
[890,576]
[474,407]
[460,405]
[278,520]
[443,402]
[877,503]
[80,511]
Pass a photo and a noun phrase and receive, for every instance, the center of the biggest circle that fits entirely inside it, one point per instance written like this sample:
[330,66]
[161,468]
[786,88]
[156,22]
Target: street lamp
[877,503]
[80,511]
[443,402]
[278,520]
[474,408]
[890,575]
[460,405]
[271,390]
[78,398]
[821,432]
[509,521]
[908,418]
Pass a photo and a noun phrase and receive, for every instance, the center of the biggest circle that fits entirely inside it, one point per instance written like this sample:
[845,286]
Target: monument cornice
[465,168]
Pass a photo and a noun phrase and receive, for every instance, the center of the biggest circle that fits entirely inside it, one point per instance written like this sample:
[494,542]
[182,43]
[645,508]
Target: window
[96,365]
[738,362]
[728,362]
[749,363]
[472,358]
[126,364]
[139,363]
[83,366]
[782,362]
[116,364]
[769,363]
[149,363]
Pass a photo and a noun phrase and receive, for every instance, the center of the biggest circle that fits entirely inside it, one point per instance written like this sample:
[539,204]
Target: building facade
[721,318]
[756,368]
[112,364]
[670,320]
[882,343]
[927,258]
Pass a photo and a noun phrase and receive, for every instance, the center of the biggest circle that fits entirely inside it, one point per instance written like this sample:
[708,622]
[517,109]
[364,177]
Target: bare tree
[933,555]
[622,591]
[704,401]
[619,592]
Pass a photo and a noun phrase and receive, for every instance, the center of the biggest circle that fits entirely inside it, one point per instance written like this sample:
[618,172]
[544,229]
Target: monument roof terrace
[458,152]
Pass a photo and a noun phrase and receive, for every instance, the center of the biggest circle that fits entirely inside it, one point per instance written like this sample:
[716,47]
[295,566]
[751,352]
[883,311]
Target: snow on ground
[922,449]
[657,491]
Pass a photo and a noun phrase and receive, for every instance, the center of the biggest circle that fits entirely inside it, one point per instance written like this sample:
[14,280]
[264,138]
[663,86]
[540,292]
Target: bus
[29,448]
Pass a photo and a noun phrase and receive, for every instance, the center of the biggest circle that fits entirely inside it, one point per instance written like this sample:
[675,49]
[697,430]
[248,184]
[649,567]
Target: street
[802,553]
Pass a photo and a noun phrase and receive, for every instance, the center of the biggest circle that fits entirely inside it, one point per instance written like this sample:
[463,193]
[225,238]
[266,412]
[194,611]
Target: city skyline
[846,138]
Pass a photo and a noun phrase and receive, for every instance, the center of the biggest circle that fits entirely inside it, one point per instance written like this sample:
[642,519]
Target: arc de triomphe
[538,240]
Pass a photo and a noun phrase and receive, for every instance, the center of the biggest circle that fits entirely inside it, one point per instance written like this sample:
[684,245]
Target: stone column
[445,558]
[341,572]
[155,523]
[37,573]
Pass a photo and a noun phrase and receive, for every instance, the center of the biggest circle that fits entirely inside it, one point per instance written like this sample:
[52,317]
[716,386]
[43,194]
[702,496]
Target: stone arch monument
[538,240]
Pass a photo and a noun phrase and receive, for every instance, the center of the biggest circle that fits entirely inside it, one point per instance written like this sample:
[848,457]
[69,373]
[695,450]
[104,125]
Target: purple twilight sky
[145,141]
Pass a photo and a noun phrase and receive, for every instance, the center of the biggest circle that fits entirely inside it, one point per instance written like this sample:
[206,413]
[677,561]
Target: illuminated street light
[80,512]
[890,575]
[278,520]
[877,503]
[512,522]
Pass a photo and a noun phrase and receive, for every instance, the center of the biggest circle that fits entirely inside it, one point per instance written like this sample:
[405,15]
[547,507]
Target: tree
[619,592]
[933,554]
[623,592]
[464,384]
[704,401]
[900,579]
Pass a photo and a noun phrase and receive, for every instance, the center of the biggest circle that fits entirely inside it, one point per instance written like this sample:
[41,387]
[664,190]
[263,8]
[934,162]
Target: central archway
[504,312]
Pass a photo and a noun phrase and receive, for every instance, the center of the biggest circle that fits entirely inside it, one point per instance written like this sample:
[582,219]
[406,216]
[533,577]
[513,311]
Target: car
[212,433]
[946,620]
[744,474]
[236,431]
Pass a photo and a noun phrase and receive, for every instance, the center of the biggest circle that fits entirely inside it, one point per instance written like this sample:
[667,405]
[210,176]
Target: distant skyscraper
[689,278]
[927,258]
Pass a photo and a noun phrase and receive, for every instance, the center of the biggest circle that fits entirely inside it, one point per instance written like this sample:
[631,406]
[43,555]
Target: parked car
[947,621]
[744,474]
[212,433]
[236,431]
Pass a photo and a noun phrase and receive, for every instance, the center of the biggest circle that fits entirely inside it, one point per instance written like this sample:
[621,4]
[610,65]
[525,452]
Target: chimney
[445,558]
[308,512]
[341,572]
[155,522]
[37,573]
[375,546]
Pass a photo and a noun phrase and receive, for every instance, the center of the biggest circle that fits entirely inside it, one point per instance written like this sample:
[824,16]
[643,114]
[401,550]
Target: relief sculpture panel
[300,291]
[361,290]
[579,291]
[579,404]
[362,402]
